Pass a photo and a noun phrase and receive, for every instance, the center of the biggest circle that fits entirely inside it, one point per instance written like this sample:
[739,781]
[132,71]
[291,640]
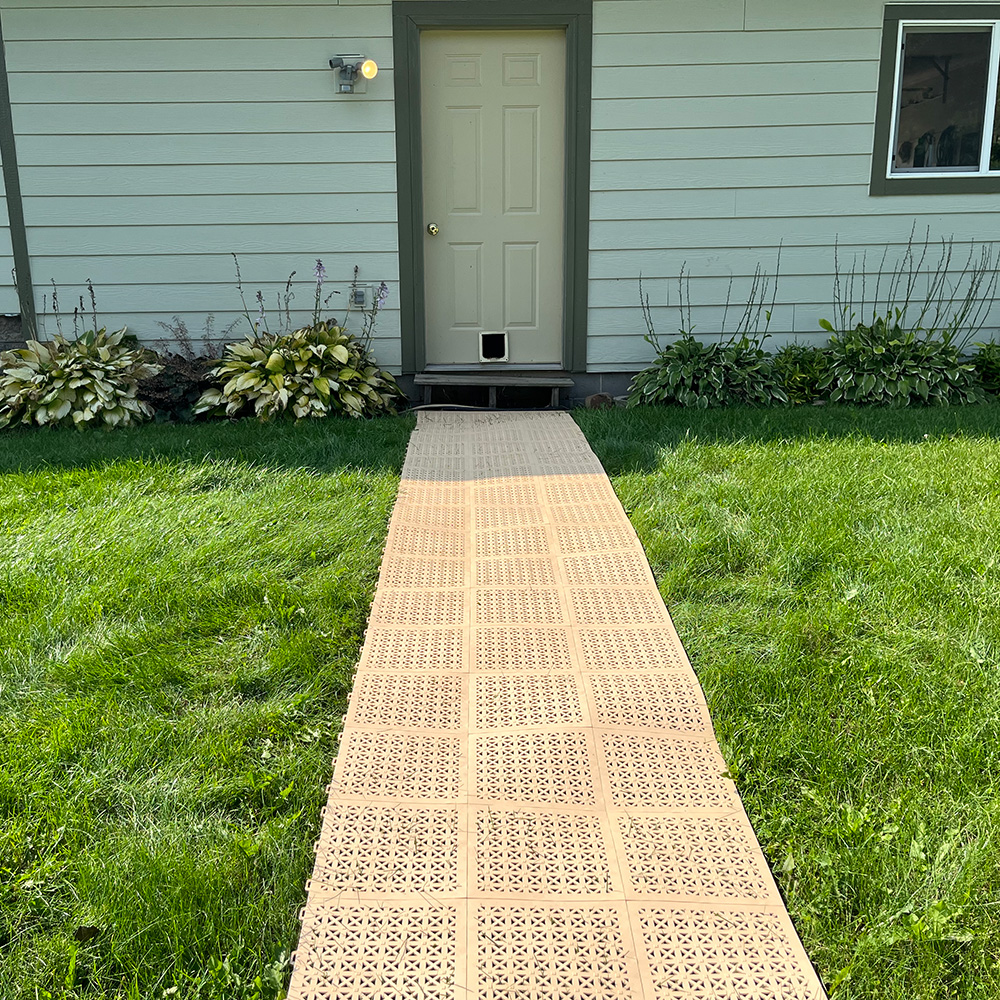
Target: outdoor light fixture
[354,72]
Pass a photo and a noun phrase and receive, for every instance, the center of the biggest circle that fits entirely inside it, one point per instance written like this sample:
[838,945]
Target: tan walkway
[529,802]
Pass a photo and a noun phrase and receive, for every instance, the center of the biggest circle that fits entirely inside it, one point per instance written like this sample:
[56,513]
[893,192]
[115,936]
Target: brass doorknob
[432,229]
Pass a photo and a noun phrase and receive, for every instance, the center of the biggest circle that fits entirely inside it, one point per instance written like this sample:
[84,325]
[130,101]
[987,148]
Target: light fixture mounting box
[360,82]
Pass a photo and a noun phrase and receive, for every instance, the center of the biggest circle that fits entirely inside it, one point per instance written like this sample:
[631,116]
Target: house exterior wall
[156,140]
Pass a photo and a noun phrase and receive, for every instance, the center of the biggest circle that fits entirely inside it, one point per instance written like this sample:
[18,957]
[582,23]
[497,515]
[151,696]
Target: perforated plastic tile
[410,540]
[412,491]
[502,465]
[407,701]
[492,518]
[717,954]
[586,513]
[497,607]
[552,953]
[554,768]
[414,649]
[506,542]
[377,848]
[495,492]
[600,538]
[601,569]
[650,701]
[545,853]
[376,951]
[451,517]
[398,766]
[421,571]
[502,702]
[432,467]
[647,772]
[428,608]
[612,606]
[694,856]
[522,648]
[516,571]
[579,489]
[629,649]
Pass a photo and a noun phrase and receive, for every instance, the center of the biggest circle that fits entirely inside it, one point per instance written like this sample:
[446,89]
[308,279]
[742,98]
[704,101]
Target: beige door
[492,128]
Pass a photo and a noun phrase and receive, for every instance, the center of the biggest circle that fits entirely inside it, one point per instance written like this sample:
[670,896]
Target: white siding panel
[208,118]
[654,15]
[156,140]
[802,172]
[697,113]
[8,292]
[731,145]
[338,150]
[661,46]
[775,15]
[210,210]
[817,78]
[212,179]
[218,21]
[192,269]
[302,243]
[180,54]
[712,144]
[238,86]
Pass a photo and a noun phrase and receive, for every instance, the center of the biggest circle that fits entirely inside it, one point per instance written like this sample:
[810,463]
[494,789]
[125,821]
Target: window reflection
[942,100]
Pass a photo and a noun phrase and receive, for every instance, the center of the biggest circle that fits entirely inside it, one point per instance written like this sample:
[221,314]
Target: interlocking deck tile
[528,802]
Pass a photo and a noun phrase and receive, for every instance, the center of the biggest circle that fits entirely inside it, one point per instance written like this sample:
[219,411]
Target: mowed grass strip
[835,576]
[181,609]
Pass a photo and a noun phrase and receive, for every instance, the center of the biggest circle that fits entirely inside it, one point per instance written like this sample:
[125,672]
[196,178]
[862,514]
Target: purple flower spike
[383,294]
[260,303]
[320,271]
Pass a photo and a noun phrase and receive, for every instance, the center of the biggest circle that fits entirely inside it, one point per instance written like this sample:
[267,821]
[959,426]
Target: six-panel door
[493,136]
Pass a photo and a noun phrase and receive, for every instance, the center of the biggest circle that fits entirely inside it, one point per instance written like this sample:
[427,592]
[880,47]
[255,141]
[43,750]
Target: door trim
[409,17]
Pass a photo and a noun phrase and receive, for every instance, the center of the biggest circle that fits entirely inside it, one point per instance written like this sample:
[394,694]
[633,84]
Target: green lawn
[181,608]
[835,576]
[180,612]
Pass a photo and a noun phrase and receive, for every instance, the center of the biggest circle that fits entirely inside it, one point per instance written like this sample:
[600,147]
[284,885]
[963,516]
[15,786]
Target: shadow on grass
[634,440]
[322,446]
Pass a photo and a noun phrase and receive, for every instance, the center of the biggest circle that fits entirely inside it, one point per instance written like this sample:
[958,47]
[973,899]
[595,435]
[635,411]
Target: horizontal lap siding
[155,140]
[8,293]
[720,129]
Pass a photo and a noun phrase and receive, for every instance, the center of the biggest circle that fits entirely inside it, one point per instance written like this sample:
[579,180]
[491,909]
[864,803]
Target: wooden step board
[493,380]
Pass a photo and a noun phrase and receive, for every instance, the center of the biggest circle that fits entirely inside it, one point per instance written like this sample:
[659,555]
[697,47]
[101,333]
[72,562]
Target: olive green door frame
[409,17]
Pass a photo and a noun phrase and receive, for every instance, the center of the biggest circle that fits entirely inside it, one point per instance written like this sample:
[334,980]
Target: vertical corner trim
[15,207]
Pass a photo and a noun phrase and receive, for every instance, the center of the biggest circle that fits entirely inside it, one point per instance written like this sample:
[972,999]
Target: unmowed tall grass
[834,575]
[181,609]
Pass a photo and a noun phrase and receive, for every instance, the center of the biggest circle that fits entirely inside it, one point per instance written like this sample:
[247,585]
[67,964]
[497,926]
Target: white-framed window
[938,120]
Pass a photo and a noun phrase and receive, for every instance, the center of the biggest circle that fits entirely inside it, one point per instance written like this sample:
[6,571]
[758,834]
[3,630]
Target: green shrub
[800,368]
[90,380]
[886,365]
[312,372]
[690,373]
[986,361]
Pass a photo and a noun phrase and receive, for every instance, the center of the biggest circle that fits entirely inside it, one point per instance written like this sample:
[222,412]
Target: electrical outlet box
[361,296]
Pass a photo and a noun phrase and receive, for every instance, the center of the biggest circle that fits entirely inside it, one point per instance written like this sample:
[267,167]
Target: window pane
[995,148]
[942,100]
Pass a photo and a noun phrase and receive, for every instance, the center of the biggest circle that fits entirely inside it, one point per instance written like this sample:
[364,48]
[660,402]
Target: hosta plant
[691,373]
[986,361]
[800,368]
[311,372]
[88,381]
[886,364]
